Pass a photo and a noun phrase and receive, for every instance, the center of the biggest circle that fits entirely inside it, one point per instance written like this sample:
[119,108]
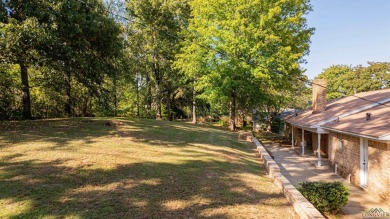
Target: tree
[335,75]
[250,47]
[343,80]
[9,92]
[86,45]
[22,39]
[373,77]
[159,23]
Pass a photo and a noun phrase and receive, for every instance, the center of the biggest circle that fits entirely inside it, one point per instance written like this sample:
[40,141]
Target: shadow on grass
[61,132]
[185,188]
[143,190]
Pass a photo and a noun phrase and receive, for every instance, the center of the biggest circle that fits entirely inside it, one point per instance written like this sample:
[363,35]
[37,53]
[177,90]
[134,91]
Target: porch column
[292,136]
[303,141]
[319,149]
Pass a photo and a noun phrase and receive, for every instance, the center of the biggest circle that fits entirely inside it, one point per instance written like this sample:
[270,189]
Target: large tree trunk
[194,105]
[26,91]
[232,111]
[158,100]
[137,92]
[157,77]
[148,95]
[68,101]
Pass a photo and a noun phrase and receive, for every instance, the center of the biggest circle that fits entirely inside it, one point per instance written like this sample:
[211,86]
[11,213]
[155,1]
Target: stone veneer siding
[324,143]
[379,170]
[297,136]
[347,159]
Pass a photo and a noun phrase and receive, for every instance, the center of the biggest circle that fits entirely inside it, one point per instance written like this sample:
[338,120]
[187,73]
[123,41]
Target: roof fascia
[315,130]
[385,137]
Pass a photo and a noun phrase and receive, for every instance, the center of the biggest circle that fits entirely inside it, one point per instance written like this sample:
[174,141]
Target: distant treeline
[344,80]
[151,58]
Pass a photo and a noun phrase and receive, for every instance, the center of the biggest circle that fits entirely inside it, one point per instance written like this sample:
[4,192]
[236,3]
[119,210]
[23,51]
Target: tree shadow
[218,175]
[61,132]
[141,190]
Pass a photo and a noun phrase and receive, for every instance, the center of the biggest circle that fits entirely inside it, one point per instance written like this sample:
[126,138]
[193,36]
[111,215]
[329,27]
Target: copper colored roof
[378,125]
[339,107]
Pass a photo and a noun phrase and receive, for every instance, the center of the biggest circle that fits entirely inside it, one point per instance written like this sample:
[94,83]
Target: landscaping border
[301,205]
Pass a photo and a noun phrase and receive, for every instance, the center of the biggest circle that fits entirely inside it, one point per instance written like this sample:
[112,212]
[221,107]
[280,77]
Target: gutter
[384,138]
[387,137]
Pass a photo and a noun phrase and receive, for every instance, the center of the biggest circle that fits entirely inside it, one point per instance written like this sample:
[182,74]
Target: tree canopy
[243,52]
[154,58]
[343,80]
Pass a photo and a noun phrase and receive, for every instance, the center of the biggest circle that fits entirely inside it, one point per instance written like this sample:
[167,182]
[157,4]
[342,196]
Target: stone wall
[314,137]
[301,205]
[297,136]
[346,157]
[379,170]
[308,140]
[324,143]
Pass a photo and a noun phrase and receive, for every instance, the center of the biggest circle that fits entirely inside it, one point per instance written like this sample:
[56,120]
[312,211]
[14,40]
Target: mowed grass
[81,168]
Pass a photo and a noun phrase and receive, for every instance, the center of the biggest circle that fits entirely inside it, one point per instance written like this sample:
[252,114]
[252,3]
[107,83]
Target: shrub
[325,196]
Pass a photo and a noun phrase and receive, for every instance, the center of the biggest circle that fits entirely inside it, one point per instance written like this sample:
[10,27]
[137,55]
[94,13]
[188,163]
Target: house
[352,133]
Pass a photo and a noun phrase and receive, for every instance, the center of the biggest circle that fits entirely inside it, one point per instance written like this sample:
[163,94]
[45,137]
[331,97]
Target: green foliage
[327,197]
[335,76]
[72,51]
[9,83]
[243,51]
[343,80]
[277,124]
[154,42]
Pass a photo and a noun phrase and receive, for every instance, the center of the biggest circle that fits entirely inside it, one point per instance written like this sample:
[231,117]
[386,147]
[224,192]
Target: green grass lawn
[82,168]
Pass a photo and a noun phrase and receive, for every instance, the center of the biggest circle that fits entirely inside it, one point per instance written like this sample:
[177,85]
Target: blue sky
[348,32]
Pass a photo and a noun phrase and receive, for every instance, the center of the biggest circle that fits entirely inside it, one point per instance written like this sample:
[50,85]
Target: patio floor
[297,169]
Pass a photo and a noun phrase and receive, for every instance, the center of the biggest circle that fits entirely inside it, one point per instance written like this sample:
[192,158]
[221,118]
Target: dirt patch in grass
[82,168]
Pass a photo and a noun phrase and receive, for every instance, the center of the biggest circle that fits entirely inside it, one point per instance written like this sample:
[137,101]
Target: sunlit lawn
[81,168]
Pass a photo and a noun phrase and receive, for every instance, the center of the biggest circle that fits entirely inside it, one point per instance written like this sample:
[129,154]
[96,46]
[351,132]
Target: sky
[350,32]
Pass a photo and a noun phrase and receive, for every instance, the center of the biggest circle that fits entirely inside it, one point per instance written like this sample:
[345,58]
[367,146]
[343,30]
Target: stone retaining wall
[301,205]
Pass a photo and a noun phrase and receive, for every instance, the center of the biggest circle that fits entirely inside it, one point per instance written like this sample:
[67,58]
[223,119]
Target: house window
[340,140]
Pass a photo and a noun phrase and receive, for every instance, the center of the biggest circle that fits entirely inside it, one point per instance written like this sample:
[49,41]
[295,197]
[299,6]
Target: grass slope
[81,168]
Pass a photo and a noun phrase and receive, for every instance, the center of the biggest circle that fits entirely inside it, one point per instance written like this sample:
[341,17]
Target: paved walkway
[298,169]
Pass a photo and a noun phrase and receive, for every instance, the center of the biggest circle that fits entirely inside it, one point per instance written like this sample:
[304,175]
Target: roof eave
[385,138]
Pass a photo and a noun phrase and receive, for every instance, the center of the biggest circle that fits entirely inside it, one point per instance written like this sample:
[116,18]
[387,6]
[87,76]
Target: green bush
[325,196]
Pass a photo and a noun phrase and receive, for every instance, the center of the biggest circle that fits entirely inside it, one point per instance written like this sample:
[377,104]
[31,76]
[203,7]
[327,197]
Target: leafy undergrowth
[131,168]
